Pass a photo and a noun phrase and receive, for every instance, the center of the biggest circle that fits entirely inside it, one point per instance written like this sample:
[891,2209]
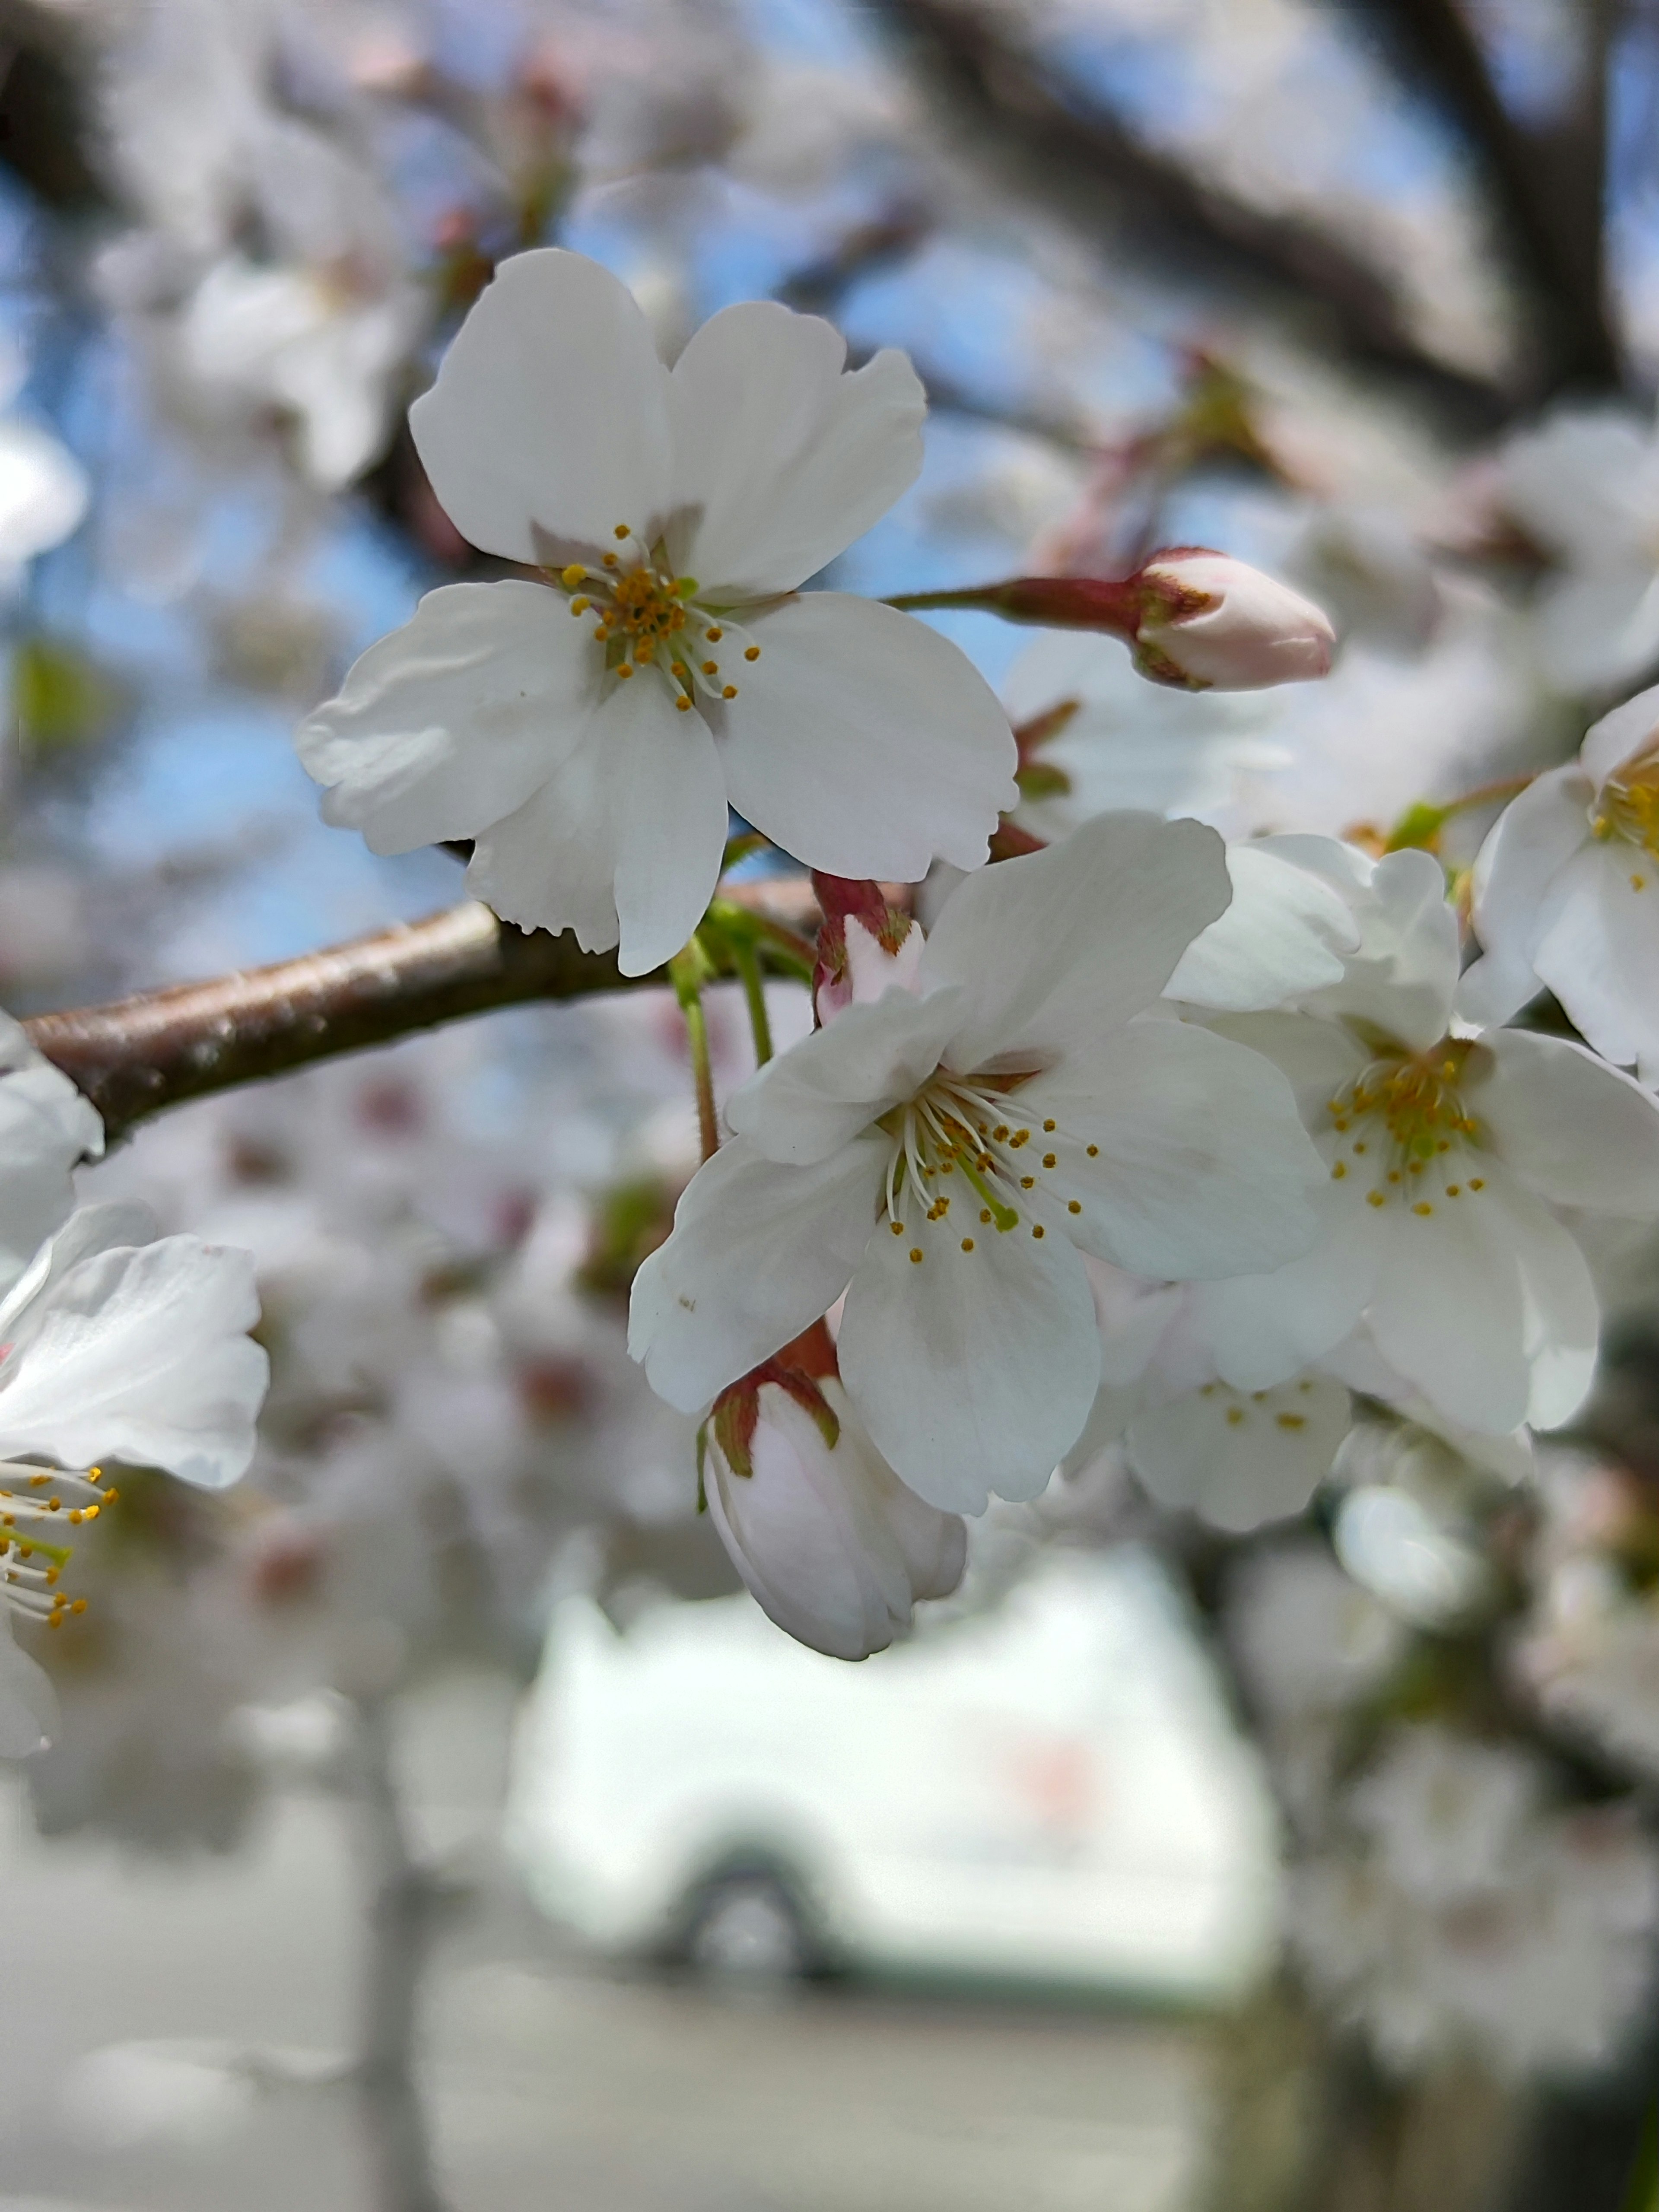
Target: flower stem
[1103,603]
[754,996]
[687,971]
[1420,825]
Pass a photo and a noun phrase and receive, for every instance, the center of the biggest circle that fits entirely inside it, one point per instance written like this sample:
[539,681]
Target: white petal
[871,969]
[1574,1130]
[447,725]
[1562,1314]
[1135,1317]
[88,1231]
[819,1095]
[1619,737]
[974,1371]
[1404,976]
[865,743]
[47,1127]
[623,842]
[1239,1459]
[1316,1058]
[1263,1328]
[1356,1362]
[548,425]
[1599,626]
[1203,1167]
[1535,837]
[142,1355]
[933,1545]
[1450,1312]
[1063,946]
[1580,482]
[668,801]
[1597,947]
[29,1703]
[758,1251]
[780,460]
[1283,935]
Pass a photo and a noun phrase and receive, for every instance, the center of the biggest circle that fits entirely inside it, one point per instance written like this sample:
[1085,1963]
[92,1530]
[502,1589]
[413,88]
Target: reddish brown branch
[140,1055]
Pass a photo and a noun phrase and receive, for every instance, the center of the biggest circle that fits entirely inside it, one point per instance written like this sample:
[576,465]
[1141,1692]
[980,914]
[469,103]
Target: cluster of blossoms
[118,1344]
[1162,1140]
[1146,1137]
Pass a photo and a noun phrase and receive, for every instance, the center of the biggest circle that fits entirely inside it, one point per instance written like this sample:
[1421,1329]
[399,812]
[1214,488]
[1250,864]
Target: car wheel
[747,1926]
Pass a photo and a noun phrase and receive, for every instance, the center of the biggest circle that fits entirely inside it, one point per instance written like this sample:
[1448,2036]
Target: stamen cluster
[1411,1126]
[647,616]
[1629,808]
[957,1125]
[34,1497]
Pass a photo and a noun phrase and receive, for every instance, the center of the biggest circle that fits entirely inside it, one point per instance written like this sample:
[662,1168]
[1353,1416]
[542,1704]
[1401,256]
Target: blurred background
[432,1822]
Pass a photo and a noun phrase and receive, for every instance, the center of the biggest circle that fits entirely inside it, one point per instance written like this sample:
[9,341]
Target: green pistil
[1004,1216]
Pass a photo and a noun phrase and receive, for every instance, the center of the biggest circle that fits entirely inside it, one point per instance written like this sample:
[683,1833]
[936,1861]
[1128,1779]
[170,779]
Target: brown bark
[140,1055]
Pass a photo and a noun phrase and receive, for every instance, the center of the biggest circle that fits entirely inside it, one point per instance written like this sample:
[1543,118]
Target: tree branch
[1049,147]
[1548,181]
[140,1055]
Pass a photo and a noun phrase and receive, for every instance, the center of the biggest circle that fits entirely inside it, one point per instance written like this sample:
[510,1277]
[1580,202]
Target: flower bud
[866,946]
[1199,620]
[832,1545]
[1209,622]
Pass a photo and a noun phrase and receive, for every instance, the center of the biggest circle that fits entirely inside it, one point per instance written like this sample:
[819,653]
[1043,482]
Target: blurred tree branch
[45,133]
[140,1055]
[1548,181]
[1047,145]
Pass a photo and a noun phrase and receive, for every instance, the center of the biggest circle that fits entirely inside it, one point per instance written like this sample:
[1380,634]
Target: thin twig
[1046,143]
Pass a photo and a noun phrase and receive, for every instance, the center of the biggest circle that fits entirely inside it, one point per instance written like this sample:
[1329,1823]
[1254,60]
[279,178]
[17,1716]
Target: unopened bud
[1199,620]
[866,946]
[832,1545]
[1209,622]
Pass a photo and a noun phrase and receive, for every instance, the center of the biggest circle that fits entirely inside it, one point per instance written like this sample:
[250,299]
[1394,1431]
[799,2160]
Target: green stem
[1488,795]
[1419,825]
[912,603]
[686,972]
[754,994]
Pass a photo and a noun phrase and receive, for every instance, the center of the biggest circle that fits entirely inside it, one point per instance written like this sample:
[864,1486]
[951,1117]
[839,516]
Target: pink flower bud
[866,946]
[1208,621]
[831,1545]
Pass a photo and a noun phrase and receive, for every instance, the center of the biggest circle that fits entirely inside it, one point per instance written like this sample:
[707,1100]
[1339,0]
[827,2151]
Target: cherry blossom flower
[1567,893]
[832,1545]
[1237,1458]
[953,1150]
[117,1345]
[1458,1911]
[1446,1156]
[1585,486]
[587,730]
[1241,1457]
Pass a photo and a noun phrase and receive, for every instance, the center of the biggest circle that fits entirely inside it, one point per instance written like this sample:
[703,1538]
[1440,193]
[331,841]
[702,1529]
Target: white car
[1049,1789]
